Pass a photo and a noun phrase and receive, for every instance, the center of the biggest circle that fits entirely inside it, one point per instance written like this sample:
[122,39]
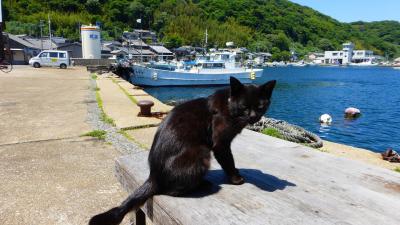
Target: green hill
[277,26]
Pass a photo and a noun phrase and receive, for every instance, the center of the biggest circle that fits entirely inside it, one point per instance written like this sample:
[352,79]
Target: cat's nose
[252,114]
[253,117]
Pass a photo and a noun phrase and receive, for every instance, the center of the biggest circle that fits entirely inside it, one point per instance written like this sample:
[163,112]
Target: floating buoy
[325,118]
[352,113]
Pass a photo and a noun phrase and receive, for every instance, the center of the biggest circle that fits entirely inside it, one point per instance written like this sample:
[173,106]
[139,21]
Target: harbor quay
[63,130]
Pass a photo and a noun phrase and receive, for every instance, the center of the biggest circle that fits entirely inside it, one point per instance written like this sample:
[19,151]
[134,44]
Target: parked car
[51,58]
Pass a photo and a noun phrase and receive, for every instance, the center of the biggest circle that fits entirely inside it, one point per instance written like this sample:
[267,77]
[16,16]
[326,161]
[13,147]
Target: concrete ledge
[286,183]
[120,108]
[139,94]
[87,62]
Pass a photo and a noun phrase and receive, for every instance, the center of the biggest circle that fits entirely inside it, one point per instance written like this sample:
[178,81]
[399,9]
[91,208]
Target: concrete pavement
[49,174]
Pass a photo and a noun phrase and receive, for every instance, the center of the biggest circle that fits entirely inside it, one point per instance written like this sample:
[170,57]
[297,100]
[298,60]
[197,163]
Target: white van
[51,58]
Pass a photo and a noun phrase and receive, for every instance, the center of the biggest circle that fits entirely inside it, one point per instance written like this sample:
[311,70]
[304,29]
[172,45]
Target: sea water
[304,93]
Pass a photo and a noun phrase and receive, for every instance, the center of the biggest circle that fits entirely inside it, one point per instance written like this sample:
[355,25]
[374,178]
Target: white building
[348,56]
[360,56]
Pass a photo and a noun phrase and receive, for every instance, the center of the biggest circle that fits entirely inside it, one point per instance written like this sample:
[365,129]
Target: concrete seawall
[336,149]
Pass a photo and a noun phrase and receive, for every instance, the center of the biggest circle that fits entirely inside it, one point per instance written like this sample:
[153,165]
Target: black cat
[180,154]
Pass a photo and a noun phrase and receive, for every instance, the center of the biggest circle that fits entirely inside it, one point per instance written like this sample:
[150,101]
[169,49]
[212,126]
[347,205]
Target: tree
[93,6]
[325,45]
[173,41]
[256,24]
[281,56]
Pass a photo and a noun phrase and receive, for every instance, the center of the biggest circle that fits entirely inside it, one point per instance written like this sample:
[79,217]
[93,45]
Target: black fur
[180,154]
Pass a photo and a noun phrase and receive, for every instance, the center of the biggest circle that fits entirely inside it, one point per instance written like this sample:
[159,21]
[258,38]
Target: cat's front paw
[236,179]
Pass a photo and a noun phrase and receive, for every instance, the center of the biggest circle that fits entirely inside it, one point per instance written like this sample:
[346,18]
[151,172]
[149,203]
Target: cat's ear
[236,86]
[267,88]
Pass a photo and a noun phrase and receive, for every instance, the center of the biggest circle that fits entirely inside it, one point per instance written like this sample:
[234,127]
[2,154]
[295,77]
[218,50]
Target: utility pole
[206,37]
[41,24]
[79,28]
[51,43]
[205,46]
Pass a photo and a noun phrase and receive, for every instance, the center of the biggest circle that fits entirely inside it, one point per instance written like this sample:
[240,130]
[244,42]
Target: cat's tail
[115,215]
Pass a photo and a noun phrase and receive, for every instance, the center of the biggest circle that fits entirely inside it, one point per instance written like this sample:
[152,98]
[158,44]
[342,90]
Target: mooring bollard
[145,107]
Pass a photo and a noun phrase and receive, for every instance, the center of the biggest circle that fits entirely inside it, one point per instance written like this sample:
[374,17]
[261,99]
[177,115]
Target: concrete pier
[49,173]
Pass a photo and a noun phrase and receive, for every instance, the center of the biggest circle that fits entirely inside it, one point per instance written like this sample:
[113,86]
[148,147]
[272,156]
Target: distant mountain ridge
[276,26]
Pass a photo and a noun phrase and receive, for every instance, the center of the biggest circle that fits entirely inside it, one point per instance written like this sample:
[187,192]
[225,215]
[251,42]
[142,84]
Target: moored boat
[213,69]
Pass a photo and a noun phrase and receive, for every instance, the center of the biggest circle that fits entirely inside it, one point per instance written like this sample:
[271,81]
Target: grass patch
[100,134]
[397,169]
[94,76]
[127,136]
[125,92]
[103,115]
[96,89]
[272,132]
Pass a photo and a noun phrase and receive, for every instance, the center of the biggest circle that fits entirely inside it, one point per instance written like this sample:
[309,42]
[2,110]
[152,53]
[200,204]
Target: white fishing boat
[212,69]
[299,64]
[365,63]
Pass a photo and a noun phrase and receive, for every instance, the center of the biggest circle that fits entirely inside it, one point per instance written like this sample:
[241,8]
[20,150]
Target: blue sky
[354,10]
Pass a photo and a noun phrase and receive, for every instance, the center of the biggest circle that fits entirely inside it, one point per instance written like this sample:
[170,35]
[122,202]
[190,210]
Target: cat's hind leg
[186,172]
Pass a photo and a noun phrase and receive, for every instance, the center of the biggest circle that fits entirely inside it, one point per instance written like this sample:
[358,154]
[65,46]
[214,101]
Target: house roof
[59,40]
[138,43]
[69,44]
[265,54]
[126,51]
[133,51]
[105,48]
[118,51]
[160,49]
[22,41]
[144,52]
[109,43]
[37,42]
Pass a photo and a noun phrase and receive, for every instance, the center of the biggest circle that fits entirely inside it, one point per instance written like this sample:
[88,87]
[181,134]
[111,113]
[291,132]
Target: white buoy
[325,118]
[352,112]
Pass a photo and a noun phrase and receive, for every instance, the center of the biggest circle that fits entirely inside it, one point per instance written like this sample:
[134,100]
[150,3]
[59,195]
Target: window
[44,55]
[53,54]
[334,54]
[61,55]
